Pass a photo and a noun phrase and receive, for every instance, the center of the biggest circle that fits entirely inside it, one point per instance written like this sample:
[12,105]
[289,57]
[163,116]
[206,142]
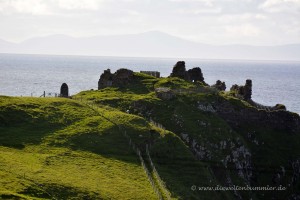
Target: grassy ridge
[61,173]
[75,148]
[68,149]
[274,151]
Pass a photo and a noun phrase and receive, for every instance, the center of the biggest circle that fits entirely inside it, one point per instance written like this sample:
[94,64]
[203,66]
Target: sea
[30,75]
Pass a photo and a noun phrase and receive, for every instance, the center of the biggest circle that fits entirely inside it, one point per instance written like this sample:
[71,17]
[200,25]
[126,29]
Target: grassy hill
[79,148]
[63,149]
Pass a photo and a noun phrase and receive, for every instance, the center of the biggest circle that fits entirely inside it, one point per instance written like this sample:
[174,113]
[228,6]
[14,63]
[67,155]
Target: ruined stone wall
[152,73]
[244,92]
[193,75]
[120,78]
[220,85]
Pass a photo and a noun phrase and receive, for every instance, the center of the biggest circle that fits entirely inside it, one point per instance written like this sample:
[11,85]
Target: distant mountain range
[149,44]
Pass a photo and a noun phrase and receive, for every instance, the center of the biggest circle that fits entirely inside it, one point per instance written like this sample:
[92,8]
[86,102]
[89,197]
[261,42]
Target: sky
[254,22]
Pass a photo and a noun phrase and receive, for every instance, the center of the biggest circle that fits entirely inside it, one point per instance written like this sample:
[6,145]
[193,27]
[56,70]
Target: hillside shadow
[135,88]
[111,145]
[25,134]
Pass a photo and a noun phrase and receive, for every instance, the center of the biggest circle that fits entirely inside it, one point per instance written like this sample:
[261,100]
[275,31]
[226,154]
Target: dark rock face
[220,85]
[264,116]
[243,92]
[119,78]
[193,75]
[64,90]
[279,119]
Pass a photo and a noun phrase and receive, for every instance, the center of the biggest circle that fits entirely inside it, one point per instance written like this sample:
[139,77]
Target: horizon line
[150,57]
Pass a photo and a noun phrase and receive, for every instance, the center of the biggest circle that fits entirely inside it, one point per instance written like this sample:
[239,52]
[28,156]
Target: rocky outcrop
[120,78]
[193,75]
[237,117]
[243,92]
[164,93]
[265,116]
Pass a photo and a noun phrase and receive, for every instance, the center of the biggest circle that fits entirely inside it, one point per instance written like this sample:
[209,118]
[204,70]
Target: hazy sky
[257,22]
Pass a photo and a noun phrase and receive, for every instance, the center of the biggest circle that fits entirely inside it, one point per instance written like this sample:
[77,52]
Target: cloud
[208,21]
[241,18]
[79,4]
[195,7]
[274,6]
[43,7]
[33,7]
[206,2]
[199,11]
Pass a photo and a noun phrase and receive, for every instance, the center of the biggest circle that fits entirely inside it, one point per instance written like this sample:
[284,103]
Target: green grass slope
[63,149]
[271,151]
[85,147]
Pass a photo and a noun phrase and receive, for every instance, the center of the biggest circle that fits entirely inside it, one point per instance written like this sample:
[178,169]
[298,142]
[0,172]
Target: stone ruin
[120,78]
[193,75]
[244,92]
[220,85]
[64,90]
[156,74]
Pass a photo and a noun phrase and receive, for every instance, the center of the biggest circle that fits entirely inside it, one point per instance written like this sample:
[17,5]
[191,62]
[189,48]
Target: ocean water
[25,75]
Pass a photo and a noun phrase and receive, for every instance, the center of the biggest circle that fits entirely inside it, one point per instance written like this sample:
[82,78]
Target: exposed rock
[164,93]
[280,119]
[220,85]
[119,78]
[206,108]
[64,90]
[267,108]
[200,151]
